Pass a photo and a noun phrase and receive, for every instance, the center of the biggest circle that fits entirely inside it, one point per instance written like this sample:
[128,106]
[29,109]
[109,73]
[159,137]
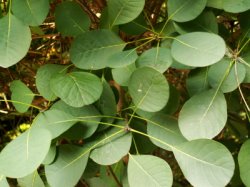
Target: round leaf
[24,154]
[205,162]
[244,162]
[77,89]
[122,59]
[124,11]
[165,129]
[92,50]
[70,19]
[21,96]
[204,115]
[112,151]
[236,6]
[31,12]
[231,74]
[68,167]
[122,75]
[149,89]
[13,45]
[185,10]
[147,170]
[32,180]
[43,77]
[159,58]
[198,49]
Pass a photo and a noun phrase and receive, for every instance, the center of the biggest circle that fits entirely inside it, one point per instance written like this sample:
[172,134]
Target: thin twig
[114,176]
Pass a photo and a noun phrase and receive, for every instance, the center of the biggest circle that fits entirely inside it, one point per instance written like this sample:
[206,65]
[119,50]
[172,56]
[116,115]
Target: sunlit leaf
[3,181]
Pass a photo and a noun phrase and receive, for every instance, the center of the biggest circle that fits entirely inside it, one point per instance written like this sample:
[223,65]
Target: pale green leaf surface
[231,75]
[122,75]
[56,121]
[124,11]
[24,154]
[147,170]
[3,181]
[92,49]
[185,10]
[122,59]
[21,96]
[205,163]
[204,115]
[70,19]
[149,89]
[13,45]
[236,6]
[158,58]
[198,49]
[244,162]
[32,180]
[51,155]
[77,88]
[165,129]
[112,151]
[43,77]
[31,12]
[68,167]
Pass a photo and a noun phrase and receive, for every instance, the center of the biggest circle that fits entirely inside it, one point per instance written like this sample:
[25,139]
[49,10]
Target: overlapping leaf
[244,162]
[32,180]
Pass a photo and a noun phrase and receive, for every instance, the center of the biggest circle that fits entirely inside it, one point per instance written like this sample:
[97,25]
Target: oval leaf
[92,50]
[149,89]
[198,49]
[122,75]
[226,74]
[124,11]
[236,6]
[23,155]
[165,129]
[21,96]
[147,170]
[13,45]
[77,89]
[70,19]
[43,77]
[159,58]
[32,180]
[244,162]
[31,12]
[68,167]
[185,10]
[205,162]
[204,115]
[112,151]
[122,59]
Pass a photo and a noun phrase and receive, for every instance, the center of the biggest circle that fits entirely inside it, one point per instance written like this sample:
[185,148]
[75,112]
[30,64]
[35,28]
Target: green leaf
[88,120]
[68,167]
[165,129]
[226,75]
[244,162]
[159,58]
[236,6]
[23,155]
[92,49]
[51,155]
[185,10]
[21,96]
[113,150]
[198,49]
[147,170]
[149,89]
[122,75]
[197,81]
[122,59]
[31,12]
[70,19]
[124,11]
[43,77]
[204,115]
[215,3]
[206,22]
[107,102]
[56,121]
[32,180]
[3,181]
[205,162]
[77,88]
[13,45]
